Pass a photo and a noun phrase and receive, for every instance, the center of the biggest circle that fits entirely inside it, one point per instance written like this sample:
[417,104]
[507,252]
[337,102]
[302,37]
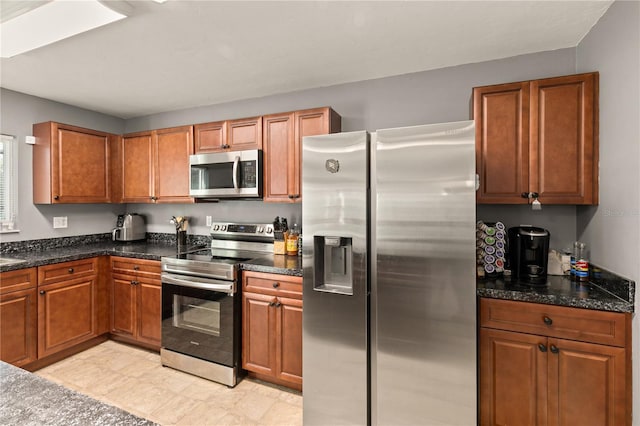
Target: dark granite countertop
[28,399]
[275,264]
[598,294]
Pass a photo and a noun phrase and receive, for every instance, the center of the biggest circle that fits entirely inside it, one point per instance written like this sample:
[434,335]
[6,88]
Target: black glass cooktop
[214,255]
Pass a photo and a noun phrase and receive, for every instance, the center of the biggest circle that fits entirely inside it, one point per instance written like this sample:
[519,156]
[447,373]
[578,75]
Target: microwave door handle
[236,162]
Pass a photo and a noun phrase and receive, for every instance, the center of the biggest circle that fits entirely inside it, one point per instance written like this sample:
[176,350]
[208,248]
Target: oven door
[201,318]
[226,174]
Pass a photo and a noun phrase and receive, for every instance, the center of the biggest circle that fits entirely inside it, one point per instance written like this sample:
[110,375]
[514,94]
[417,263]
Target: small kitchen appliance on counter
[528,253]
[129,227]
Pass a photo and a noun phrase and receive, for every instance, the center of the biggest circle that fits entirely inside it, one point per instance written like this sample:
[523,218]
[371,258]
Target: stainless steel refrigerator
[389,323]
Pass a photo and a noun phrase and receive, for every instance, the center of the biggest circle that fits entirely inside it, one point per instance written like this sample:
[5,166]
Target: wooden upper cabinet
[155,166]
[71,164]
[502,142]
[137,167]
[245,133]
[538,136]
[564,142]
[231,135]
[172,150]
[279,157]
[282,144]
[210,137]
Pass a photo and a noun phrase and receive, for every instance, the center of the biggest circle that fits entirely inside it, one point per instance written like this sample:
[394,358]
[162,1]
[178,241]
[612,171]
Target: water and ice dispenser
[333,258]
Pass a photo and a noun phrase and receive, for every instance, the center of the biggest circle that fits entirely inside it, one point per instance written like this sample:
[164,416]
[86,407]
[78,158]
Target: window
[8,183]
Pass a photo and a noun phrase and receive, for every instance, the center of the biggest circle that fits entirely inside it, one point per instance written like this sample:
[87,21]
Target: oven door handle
[200,283]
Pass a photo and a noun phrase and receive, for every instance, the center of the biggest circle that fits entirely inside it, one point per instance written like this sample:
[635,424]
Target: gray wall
[18,113]
[412,99]
[612,229]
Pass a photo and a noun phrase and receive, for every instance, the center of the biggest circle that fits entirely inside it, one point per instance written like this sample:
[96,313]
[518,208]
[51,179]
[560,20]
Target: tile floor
[134,380]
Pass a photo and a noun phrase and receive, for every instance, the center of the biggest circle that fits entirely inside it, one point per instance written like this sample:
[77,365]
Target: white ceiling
[183,54]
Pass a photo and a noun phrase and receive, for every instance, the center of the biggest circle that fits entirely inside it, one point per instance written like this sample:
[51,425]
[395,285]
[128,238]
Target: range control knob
[223,227]
[216,227]
[268,230]
[259,229]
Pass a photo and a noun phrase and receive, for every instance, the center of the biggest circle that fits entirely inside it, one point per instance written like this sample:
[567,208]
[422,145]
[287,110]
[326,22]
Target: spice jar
[292,241]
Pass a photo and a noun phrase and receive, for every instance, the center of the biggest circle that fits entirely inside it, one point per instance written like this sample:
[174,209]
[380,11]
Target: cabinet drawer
[135,266]
[272,284]
[20,279]
[609,328]
[67,270]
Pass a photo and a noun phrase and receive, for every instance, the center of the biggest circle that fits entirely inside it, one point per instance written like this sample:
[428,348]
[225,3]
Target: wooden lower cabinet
[136,305]
[67,314]
[535,379]
[18,316]
[272,328]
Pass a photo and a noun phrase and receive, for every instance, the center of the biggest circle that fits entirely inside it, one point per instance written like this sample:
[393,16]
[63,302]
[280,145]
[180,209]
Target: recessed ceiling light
[51,22]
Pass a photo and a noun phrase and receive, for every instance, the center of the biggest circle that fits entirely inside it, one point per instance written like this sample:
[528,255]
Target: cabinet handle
[42,292]
[547,320]
[542,347]
[554,349]
[294,196]
[271,304]
[134,282]
[276,285]
[136,267]
[56,197]
[71,270]
[278,304]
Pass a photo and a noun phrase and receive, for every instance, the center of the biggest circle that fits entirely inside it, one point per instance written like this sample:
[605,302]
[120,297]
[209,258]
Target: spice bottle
[292,240]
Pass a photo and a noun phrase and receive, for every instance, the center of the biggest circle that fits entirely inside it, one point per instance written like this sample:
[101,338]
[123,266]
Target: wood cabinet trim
[65,271]
[609,328]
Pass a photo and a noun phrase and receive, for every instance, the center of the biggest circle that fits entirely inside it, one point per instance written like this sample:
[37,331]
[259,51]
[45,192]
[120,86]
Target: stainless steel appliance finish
[129,227]
[401,349]
[201,304]
[233,174]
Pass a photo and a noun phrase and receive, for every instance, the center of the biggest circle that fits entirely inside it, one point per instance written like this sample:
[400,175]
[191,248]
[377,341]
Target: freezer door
[335,291]
[423,291]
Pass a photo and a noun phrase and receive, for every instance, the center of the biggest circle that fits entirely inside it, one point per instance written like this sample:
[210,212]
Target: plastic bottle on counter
[582,263]
[292,240]
[574,253]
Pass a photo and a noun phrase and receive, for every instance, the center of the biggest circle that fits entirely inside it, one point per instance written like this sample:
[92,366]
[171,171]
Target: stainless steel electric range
[201,319]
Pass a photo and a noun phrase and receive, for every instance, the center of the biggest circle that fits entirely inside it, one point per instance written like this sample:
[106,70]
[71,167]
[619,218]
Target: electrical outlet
[60,222]
[208,221]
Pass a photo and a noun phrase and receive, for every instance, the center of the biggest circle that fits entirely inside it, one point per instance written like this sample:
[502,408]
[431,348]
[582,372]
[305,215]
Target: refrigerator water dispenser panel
[333,265]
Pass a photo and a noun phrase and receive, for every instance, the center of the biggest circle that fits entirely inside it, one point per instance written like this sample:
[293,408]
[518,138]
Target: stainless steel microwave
[233,174]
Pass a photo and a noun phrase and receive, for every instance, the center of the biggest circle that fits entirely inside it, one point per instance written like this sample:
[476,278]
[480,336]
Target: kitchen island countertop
[28,399]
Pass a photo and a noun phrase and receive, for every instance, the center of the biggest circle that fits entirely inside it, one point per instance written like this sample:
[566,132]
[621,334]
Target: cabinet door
[289,340]
[279,158]
[245,133]
[501,114]
[587,384]
[172,150]
[258,333]
[563,141]
[81,164]
[137,168]
[149,311]
[18,327]
[123,314]
[513,371]
[210,137]
[66,314]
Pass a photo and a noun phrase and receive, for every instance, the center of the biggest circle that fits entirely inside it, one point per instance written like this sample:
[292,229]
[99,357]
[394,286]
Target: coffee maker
[528,253]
